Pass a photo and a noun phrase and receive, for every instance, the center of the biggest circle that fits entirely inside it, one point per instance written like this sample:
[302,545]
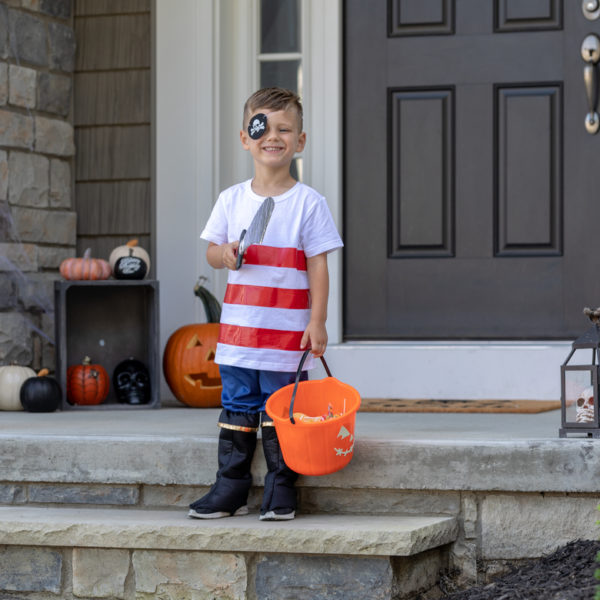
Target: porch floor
[184,422]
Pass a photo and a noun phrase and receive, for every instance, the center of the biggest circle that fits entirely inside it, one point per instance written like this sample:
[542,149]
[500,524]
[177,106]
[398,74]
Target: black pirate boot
[279,497]
[229,494]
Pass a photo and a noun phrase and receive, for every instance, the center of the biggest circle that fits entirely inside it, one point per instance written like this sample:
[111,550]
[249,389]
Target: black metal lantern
[579,383]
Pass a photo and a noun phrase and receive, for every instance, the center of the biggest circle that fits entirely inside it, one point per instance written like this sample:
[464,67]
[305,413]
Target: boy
[275,305]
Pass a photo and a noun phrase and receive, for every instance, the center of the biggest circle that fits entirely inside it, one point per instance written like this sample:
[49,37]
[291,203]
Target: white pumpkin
[129,249]
[12,378]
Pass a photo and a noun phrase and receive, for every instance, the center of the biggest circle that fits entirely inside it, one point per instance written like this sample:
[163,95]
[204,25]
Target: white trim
[451,370]
[323,102]
[184,159]
[282,56]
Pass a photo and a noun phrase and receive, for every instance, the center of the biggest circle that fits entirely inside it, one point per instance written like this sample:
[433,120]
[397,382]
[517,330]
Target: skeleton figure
[584,409]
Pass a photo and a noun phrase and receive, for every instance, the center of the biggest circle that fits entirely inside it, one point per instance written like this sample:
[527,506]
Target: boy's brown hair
[274,98]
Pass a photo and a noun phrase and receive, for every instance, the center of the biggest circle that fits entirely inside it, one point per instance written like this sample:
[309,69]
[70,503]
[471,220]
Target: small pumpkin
[130,267]
[189,358]
[87,384]
[135,254]
[12,378]
[85,267]
[41,393]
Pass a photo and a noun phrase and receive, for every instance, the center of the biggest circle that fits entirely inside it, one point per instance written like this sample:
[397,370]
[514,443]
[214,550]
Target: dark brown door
[471,202]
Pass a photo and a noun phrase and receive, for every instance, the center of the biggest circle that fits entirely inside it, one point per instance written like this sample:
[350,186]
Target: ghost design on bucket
[584,408]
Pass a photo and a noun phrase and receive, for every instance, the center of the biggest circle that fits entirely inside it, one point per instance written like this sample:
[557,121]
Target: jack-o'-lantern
[189,358]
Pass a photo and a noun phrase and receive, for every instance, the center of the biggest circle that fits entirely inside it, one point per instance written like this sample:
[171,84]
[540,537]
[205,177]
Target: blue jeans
[247,390]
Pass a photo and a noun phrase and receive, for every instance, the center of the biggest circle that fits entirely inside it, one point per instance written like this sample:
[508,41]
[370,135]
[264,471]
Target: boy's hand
[229,256]
[315,335]
[223,255]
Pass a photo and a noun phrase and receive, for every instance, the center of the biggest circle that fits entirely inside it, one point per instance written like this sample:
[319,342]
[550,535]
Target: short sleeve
[215,229]
[319,233]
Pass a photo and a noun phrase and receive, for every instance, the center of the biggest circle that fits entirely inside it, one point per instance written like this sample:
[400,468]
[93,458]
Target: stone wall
[37,222]
[43,573]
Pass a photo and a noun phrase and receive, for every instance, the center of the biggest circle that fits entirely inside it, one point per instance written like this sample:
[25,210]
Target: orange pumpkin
[85,267]
[189,358]
[189,365]
[87,384]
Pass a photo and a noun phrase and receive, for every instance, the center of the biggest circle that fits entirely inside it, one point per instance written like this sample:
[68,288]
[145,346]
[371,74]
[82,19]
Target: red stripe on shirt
[256,295]
[270,256]
[252,337]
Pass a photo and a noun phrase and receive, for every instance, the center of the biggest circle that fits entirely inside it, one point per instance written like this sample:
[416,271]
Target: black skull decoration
[132,382]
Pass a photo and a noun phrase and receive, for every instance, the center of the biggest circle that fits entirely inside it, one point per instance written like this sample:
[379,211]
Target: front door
[471,202]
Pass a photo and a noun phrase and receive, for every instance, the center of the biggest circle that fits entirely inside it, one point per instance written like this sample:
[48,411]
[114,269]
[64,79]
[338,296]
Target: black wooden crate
[109,321]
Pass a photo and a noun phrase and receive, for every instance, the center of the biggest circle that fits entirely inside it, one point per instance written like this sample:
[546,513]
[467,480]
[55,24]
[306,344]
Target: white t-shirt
[267,303]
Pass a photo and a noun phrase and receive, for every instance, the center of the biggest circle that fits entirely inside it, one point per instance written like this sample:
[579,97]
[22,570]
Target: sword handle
[240,256]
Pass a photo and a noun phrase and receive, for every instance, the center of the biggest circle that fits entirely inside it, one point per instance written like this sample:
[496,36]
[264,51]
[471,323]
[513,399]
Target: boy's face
[281,140]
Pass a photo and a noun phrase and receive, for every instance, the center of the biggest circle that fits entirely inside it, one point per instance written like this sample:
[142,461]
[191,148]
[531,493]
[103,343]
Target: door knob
[590,9]
[590,52]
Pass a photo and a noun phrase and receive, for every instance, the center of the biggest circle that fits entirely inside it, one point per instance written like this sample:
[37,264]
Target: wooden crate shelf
[109,321]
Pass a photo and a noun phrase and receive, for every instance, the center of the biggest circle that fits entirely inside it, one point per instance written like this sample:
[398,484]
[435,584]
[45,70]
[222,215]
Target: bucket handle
[298,374]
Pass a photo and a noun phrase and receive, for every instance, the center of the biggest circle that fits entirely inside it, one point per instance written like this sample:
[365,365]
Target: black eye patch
[257,126]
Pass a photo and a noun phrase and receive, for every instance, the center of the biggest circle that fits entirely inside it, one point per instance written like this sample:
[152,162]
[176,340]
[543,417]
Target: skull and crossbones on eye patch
[257,126]
[584,407]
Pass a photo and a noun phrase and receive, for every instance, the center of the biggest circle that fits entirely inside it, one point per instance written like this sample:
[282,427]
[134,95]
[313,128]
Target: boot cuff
[237,427]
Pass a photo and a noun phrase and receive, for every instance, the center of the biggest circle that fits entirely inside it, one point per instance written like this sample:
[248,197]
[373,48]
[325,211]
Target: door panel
[468,172]
[422,201]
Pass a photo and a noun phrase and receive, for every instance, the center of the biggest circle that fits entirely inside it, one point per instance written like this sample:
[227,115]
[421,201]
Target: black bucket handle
[298,374]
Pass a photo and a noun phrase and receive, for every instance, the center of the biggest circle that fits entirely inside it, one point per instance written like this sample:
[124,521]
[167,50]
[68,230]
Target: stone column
[37,220]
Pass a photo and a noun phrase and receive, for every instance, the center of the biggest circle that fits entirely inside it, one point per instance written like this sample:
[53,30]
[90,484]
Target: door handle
[590,52]
[591,9]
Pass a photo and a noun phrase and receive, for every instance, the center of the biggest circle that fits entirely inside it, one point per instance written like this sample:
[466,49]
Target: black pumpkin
[41,393]
[130,267]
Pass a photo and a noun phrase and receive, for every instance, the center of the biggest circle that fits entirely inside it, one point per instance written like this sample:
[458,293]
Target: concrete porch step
[129,554]
[357,535]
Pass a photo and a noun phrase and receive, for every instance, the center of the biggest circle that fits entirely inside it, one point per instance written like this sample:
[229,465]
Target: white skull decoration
[256,127]
[584,409]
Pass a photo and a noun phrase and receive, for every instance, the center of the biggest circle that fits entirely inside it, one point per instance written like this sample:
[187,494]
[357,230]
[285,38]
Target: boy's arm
[315,333]
[223,255]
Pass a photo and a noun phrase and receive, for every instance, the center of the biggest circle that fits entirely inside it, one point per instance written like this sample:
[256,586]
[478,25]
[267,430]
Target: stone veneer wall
[37,222]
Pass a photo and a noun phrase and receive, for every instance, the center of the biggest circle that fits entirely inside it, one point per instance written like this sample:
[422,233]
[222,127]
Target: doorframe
[195,102]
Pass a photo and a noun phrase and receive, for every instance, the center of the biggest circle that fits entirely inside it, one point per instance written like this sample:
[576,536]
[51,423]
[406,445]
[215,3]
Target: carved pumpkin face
[344,445]
[189,365]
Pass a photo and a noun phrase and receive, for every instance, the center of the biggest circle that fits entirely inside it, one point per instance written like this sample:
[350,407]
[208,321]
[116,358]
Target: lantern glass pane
[582,356]
[579,396]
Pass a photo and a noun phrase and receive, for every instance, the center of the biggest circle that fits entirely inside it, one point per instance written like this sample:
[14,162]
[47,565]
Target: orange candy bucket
[312,447]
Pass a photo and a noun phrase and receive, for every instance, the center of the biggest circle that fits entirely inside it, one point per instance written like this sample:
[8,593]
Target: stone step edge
[543,466]
[171,530]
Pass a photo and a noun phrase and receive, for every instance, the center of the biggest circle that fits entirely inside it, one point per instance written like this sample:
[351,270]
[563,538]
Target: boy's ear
[301,142]
[244,139]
